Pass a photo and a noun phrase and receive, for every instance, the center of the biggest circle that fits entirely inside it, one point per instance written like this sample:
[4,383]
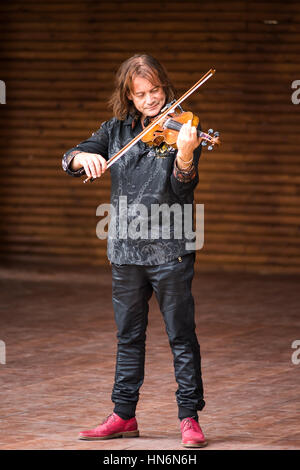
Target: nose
[149,99]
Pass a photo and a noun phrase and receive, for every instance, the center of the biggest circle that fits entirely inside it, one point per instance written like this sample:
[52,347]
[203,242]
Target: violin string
[176,126]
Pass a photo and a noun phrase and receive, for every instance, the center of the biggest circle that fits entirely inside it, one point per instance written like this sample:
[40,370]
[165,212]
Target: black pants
[133,286]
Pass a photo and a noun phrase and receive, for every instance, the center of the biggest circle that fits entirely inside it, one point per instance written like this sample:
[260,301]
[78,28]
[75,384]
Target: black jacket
[144,181]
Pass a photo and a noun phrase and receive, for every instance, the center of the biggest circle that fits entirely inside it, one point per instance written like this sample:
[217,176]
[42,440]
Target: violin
[167,131]
[157,133]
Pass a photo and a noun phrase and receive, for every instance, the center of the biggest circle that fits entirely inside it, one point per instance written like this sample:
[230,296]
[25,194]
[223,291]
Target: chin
[154,112]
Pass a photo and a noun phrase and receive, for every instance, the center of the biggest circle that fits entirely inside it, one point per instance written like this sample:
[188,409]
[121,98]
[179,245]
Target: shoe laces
[109,418]
[187,424]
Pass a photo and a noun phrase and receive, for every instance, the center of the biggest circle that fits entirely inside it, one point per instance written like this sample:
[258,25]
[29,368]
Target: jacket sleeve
[97,143]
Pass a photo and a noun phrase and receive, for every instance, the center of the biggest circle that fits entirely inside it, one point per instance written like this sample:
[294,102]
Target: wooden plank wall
[58,60]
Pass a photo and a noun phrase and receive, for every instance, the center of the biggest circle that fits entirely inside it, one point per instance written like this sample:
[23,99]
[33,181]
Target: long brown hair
[144,66]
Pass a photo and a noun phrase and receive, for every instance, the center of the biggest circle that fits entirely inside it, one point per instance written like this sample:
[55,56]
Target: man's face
[148,98]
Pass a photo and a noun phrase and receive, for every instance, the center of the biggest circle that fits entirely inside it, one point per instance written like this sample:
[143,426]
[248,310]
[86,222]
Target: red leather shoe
[192,435]
[112,426]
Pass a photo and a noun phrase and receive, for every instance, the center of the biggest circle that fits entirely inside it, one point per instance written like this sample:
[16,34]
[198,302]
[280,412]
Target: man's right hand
[94,164]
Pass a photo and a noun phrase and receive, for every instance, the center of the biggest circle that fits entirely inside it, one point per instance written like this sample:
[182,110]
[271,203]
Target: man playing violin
[147,175]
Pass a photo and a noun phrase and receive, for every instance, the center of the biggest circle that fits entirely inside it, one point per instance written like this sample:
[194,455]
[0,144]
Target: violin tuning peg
[203,143]
[210,131]
[216,134]
[210,147]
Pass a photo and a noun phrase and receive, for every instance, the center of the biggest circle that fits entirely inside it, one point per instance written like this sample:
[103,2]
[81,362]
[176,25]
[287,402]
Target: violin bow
[153,123]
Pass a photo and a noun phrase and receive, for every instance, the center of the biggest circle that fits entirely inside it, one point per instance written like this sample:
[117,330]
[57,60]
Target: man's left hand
[187,142]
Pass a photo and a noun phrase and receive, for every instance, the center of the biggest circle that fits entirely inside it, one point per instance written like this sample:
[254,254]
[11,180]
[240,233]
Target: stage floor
[60,341]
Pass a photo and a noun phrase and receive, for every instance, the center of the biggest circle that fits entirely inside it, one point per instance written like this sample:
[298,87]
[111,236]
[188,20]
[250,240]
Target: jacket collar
[128,121]
[133,120]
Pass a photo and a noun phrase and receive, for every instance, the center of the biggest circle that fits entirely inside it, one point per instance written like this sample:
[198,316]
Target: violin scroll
[213,138]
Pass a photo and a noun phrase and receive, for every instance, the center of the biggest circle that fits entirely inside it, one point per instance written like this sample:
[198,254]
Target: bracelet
[184,160]
[186,170]
[185,176]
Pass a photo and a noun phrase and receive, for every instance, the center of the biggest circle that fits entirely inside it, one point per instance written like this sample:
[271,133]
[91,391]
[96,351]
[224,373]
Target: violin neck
[176,126]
